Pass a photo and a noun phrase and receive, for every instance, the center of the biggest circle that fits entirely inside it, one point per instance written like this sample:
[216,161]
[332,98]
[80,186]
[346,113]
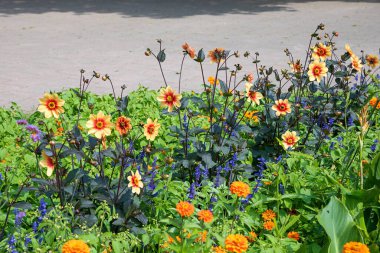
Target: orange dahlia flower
[317,70]
[236,243]
[50,105]
[282,107]
[268,215]
[135,182]
[99,125]
[205,216]
[372,60]
[254,96]
[216,55]
[348,49]
[356,63]
[355,247]
[239,188]
[294,235]
[123,125]
[151,129]
[321,51]
[289,139]
[296,66]
[48,163]
[168,97]
[75,246]
[268,225]
[189,50]
[185,209]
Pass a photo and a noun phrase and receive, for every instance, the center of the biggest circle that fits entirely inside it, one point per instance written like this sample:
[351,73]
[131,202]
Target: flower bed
[270,161]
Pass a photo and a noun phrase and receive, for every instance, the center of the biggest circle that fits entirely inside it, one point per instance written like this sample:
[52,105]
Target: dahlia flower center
[317,71]
[169,98]
[122,124]
[135,181]
[150,129]
[290,140]
[321,52]
[99,124]
[282,107]
[51,104]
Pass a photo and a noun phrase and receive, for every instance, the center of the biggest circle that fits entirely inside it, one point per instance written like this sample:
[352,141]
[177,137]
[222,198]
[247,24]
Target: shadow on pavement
[149,8]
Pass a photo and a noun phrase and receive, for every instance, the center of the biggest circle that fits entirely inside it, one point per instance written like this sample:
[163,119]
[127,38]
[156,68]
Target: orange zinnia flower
[321,51]
[211,80]
[168,97]
[184,208]
[356,63]
[50,105]
[373,103]
[289,139]
[135,182]
[151,129]
[239,188]
[77,246]
[268,225]
[317,70]
[372,60]
[254,96]
[296,66]
[348,49]
[294,235]
[99,125]
[189,50]
[218,249]
[205,216]
[123,125]
[355,247]
[216,55]
[268,215]
[236,243]
[48,163]
[282,107]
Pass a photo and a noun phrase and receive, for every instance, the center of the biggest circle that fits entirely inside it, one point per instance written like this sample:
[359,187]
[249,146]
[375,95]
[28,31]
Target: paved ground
[44,44]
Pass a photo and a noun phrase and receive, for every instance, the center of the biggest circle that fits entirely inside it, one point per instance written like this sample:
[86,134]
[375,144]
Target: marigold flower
[289,139]
[294,235]
[252,236]
[99,125]
[218,249]
[348,49]
[135,182]
[296,66]
[168,97]
[185,209]
[239,188]
[282,107]
[254,96]
[48,163]
[51,105]
[317,70]
[216,55]
[268,225]
[356,63]
[355,247]
[268,215]
[151,129]
[205,216]
[373,103]
[75,246]
[189,50]
[321,51]
[372,60]
[211,80]
[123,125]
[236,243]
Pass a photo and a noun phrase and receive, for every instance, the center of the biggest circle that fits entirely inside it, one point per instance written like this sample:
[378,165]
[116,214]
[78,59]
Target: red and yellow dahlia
[51,105]
[254,96]
[123,125]
[289,139]
[48,163]
[151,129]
[189,50]
[168,97]
[321,52]
[356,63]
[99,125]
[135,182]
[372,60]
[282,107]
[317,70]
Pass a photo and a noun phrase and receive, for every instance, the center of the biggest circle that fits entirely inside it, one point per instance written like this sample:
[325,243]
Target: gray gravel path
[44,44]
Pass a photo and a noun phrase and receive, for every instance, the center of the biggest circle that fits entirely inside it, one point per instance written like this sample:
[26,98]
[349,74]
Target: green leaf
[338,224]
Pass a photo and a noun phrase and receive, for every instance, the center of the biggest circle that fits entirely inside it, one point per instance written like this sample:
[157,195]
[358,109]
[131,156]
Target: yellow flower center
[169,98]
[51,105]
[321,52]
[150,129]
[99,124]
[290,140]
[135,181]
[317,71]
